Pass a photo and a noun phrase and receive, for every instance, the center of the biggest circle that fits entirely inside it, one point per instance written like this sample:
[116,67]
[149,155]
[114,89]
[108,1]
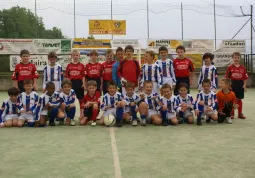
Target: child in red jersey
[93,70]
[107,70]
[183,68]
[75,71]
[237,74]
[24,71]
[90,104]
[129,69]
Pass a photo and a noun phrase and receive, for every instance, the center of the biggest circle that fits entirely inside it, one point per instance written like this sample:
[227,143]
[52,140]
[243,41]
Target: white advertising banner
[222,59]
[232,46]
[123,43]
[14,46]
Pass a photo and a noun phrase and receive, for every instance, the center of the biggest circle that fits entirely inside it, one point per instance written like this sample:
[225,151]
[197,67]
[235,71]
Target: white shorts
[210,113]
[168,80]
[43,113]
[170,115]
[152,112]
[10,117]
[110,111]
[187,114]
[155,88]
[26,116]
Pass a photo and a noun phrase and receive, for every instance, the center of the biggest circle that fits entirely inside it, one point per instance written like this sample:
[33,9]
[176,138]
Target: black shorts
[105,86]
[77,87]
[21,86]
[98,80]
[180,80]
[237,88]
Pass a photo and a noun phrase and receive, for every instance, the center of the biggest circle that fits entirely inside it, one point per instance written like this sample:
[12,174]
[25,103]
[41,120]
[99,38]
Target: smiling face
[93,57]
[109,57]
[28,88]
[112,89]
[25,58]
[120,55]
[148,88]
[236,59]
[52,61]
[183,92]
[67,88]
[129,53]
[180,53]
[167,93]
[206,87]
[163,54]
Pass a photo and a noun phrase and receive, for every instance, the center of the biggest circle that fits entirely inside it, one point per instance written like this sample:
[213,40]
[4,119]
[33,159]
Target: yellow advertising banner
[115,27]
[85,43]
[196,59]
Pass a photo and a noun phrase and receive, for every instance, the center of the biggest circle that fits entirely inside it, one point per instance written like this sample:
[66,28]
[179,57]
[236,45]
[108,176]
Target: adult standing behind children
[183,68]
[129,69]
[115,77]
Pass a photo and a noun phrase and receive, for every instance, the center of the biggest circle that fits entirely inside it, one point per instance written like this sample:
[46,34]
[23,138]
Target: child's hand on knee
[202,103]
[1,125]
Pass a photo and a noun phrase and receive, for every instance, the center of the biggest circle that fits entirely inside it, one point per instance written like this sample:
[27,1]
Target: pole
[111,15]
[36,26]
[215,29]
[74,20]
[148,21]
[182,19]
[251,30]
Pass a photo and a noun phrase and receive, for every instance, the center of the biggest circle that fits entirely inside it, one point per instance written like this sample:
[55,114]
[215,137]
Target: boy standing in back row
[129,69]
[183,68]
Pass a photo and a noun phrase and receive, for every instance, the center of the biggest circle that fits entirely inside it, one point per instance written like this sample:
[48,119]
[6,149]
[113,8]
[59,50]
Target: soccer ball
[109,120]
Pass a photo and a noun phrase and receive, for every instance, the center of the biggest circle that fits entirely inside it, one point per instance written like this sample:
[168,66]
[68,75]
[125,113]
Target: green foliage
[91,37]
[19,22]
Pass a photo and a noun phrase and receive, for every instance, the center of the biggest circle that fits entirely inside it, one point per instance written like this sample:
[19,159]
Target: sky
[164,17]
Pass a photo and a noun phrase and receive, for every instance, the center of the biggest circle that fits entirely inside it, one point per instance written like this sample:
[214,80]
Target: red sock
[232,112]
[240,108]
[94,114]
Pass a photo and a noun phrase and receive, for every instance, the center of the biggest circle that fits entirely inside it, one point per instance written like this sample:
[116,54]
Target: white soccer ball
[109,120]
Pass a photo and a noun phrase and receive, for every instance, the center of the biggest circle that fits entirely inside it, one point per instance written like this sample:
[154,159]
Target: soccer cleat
[165,123]
[241,116]
[93,123]
[134,123]
[199,123]
[118,123]
[61,122]
[229,120]
[143,122]
[72,123]
[52,124]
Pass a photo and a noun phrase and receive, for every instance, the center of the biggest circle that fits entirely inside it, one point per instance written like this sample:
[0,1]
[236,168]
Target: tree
[19,22]
[91,37]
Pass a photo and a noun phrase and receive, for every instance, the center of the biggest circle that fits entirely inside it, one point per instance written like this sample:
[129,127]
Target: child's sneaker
[165,123]
[52,124]
[229,120]
[93,123]
[118,123]
[61,122]
[232,117]
[241,116]
[72,123]
[199,123]
[134,123]
[143,122]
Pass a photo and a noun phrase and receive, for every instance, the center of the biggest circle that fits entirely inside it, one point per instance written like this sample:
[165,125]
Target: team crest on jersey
[79,67]
[98,67]
[242,71]
[30,67]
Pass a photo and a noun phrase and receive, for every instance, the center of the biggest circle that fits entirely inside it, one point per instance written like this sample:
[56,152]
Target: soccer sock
[71,113]
[30,124]
[143,116]
[199,117]
[240,108]
[94,114]
[119,113]
[53,114]
[134,117]
[163,114]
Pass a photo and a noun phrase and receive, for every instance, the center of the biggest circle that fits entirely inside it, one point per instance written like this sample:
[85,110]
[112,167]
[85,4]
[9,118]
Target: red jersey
[236,73]
[130,70]
[183,67]
[25,72]
[93,70]
[75,71]
[94,98]
[107,70]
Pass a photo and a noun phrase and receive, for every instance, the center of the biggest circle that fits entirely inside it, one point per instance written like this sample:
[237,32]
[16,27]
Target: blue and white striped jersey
[171,104]
[54,100]
[68,99]
[209,99]
[111,101]
[152,101]
[167,69]
[53,74]
[135,98]
[210,73]
[187,100]
[151,72]
[8,107]
[30,101]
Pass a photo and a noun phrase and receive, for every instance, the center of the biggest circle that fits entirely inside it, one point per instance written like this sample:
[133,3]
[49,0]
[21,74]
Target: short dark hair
[183,85]
[49,85]
[206,81]
[119,49]
[181,48]
[28,82]
[13,91]
[66,82]
[24,51]
[52,54]
[92,83]
[93,52]
[208,55]
[162,48]
[151,53]
[147,82]
[129,47]
[236,54]
[111,84]
[129,85]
